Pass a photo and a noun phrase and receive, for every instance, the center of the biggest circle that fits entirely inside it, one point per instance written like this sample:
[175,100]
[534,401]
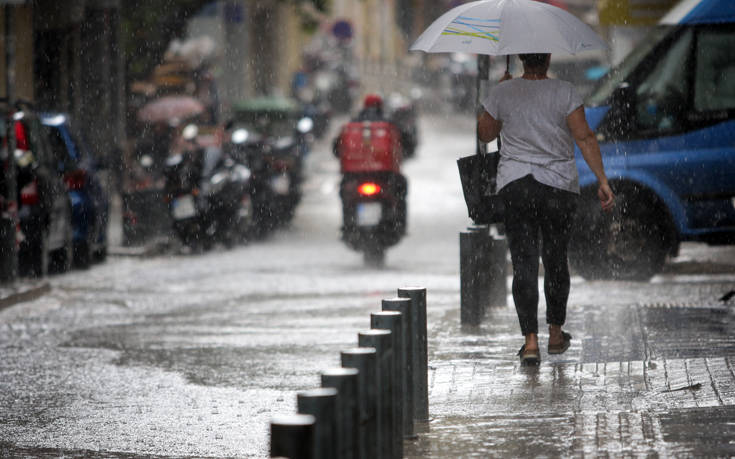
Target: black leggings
[532,208]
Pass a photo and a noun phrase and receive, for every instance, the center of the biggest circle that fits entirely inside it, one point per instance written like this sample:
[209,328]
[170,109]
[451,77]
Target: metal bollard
[471,260]
[293,436]
[403,305]
[365,361]
[393,322]
[484,266]
[322,404]
[420,352]
[381,340]
[498,271]
[345,380]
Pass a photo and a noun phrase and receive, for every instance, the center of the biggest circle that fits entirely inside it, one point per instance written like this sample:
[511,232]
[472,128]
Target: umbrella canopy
[499,27]
[170,107]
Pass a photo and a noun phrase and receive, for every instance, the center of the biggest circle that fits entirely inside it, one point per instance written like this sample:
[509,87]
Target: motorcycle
[273,144]
[373,190]
[402,112]
[208,195]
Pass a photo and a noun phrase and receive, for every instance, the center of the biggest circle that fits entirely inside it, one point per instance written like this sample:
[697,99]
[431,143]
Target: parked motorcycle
[403,113]
[373,191]
[272,138]
[208,195]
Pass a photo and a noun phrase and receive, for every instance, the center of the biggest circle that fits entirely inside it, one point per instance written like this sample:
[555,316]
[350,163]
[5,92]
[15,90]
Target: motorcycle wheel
[374,257]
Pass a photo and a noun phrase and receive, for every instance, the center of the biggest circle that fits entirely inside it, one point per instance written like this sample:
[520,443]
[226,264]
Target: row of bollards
[482,272]
[367,407]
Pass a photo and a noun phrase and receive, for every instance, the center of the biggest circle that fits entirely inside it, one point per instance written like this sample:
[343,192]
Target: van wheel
[630,243]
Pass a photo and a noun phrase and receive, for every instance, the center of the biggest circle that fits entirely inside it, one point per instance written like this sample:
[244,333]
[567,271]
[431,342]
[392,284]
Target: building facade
[65,56]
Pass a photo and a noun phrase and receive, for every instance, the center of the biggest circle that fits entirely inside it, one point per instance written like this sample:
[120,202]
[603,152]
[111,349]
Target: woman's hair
[535,60]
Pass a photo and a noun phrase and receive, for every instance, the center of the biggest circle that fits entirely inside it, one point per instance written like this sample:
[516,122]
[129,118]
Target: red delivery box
[369,146]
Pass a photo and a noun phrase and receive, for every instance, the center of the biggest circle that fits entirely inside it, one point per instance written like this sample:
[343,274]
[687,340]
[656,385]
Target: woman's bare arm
[488,127]
[587,143]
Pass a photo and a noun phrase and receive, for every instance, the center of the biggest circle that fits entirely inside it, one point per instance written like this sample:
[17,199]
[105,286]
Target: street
[180,355]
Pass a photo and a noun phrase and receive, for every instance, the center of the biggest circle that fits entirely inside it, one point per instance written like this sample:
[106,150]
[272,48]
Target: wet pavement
[190,356]
[648,374]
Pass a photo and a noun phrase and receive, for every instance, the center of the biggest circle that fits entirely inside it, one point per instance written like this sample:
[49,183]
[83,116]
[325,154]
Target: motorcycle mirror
[146,161]
[305,125]
[240,136]
[190,132]
[241,172]
[171,160]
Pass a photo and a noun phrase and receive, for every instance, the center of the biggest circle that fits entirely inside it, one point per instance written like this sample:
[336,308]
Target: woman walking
[539,119]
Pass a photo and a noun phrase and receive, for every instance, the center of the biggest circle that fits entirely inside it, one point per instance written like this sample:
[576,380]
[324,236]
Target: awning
[633,12]
[701,12]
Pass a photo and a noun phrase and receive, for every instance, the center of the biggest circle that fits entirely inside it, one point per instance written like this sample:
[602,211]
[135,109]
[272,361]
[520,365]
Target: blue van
[665,121]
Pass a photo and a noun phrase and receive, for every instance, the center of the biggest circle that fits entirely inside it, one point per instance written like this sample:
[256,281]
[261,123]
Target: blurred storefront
[16,65]
[626,22]
[51,47]
[258,45]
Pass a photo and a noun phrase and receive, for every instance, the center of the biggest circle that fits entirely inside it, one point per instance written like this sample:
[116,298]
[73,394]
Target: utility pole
[9,52]
[8,254]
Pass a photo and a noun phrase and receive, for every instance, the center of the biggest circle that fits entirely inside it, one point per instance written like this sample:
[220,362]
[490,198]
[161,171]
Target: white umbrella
[499,27]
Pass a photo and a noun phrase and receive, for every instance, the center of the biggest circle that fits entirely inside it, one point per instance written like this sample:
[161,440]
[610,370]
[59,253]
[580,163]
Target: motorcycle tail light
[21,140]
[75,180]
[29,194]
[368,189]
[282,164]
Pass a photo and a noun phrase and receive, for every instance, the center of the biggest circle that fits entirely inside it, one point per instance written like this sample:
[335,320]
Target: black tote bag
[478,175]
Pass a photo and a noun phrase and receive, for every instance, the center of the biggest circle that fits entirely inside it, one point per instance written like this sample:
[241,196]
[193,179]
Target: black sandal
[561,348]
[529,357]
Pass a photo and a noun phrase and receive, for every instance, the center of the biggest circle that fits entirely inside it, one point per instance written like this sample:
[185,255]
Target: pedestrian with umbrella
[538,120]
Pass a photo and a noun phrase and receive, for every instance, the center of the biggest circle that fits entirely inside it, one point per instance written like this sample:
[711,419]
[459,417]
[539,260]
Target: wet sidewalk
[651,371]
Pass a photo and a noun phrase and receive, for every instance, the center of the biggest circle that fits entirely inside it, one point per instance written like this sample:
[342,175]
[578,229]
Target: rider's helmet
[373,101]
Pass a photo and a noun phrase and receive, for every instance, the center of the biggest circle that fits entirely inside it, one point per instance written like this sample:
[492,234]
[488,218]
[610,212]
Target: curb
[23,295]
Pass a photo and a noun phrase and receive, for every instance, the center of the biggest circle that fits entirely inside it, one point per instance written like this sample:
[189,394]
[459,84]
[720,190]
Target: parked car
[90,201]
[45,236]
[665,121]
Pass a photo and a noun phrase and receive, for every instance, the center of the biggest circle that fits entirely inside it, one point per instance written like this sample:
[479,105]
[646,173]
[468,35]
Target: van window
[662,96]
[622,72]
[715,75]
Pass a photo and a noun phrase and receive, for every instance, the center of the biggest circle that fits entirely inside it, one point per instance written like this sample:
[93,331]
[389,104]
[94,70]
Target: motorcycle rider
[370,152]
[372,109]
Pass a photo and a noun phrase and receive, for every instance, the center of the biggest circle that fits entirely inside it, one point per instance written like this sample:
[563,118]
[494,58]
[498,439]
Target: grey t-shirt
[535,138]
